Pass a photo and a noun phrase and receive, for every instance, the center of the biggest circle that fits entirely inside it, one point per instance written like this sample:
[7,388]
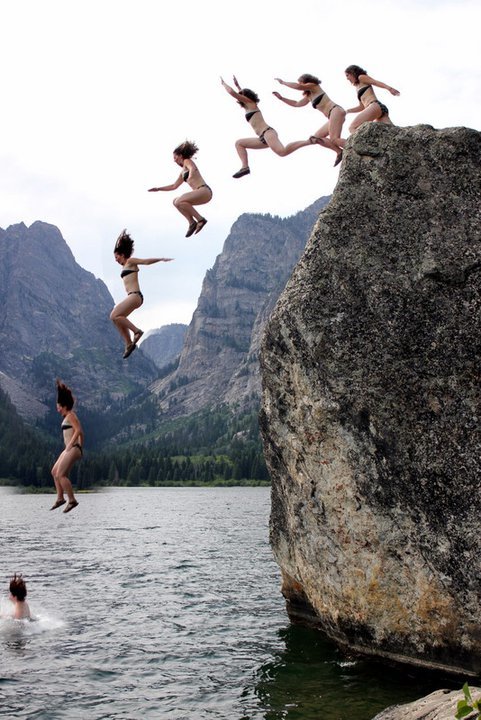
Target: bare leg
[245,144]
[370,114]
[119,316]
[61,470]
[185,203]
[272,139]
[336,121]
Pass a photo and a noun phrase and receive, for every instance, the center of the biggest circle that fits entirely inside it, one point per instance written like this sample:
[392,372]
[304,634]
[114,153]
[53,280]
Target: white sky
[97,94]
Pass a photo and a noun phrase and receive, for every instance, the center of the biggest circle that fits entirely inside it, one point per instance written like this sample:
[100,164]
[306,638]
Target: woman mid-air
[329,135]
[369,108]
[266,136]
[73,438]
[200,192]
[119,315]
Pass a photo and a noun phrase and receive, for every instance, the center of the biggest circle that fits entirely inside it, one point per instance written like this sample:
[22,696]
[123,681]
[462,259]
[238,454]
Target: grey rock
[219,362]
[163,346]
[439,705]
[371,367]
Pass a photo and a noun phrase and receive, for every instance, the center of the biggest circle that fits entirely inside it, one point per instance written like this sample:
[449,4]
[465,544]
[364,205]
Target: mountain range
[55,323]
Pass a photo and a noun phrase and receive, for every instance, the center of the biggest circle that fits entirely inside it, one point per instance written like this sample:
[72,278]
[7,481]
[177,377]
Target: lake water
[165,603]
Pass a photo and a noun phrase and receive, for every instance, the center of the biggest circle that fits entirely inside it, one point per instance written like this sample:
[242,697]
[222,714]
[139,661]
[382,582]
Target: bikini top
[185,175]
[317,100]
[362,90]
[127,272]
[250,114]
[66,426]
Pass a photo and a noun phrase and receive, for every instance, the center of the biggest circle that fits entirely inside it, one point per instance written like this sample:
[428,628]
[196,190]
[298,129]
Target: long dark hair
[306,78]
[124,245]
[64,395]
[186,150]
[18,588]
[356,71]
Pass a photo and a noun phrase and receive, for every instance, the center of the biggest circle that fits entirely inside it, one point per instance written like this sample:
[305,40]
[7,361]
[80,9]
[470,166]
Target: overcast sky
[97,94]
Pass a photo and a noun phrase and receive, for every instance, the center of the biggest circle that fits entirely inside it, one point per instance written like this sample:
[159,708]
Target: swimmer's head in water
[124,245]
[18,588]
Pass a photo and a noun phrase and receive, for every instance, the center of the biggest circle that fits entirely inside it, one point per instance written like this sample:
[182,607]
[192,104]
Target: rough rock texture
[219,362]
[439,705]
[55,323]
[164,345]
[371,369]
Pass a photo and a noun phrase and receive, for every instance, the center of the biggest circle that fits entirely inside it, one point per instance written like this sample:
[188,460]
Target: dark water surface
[165,603]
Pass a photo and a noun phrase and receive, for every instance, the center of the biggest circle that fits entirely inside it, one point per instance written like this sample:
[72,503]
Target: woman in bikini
[329,134]
[266,136]
[200,192]
[73,438]
[370,109]
[119,315]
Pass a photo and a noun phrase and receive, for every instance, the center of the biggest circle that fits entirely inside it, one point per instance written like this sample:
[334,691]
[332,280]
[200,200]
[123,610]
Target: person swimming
[18,593]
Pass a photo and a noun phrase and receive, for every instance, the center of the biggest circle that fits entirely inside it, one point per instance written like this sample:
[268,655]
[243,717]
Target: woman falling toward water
[119,315]
[370,109]
[200,192]
[329,135]
[266,135]
[73,439]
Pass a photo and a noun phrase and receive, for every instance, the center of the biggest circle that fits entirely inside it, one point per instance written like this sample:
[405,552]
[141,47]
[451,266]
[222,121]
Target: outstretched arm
[174,185]
[148,261]
[292,103]
[368,80]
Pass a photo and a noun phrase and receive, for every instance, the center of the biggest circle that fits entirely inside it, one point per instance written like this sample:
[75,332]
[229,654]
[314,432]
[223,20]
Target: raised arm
[292,103]
[174,185]
[368,80]
[236,95]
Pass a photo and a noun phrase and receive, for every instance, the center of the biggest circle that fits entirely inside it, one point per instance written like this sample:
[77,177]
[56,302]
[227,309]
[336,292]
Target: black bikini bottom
[384,109]
[137,292]
[261,136]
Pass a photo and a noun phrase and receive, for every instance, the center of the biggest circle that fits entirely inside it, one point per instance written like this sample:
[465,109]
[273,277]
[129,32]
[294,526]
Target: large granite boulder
[371,368]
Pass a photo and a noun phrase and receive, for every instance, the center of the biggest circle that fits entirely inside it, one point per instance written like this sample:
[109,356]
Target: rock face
[371,368]
[55,323]
[163,346]
[439,705]
[219,362]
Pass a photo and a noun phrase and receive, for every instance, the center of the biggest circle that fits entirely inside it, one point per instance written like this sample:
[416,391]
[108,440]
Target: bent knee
[176,202]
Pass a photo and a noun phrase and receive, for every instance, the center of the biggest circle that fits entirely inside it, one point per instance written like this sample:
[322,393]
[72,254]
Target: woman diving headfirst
[200,192]
[123,255]
[266,135]
[329,135]
[73,439]
[370,109]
